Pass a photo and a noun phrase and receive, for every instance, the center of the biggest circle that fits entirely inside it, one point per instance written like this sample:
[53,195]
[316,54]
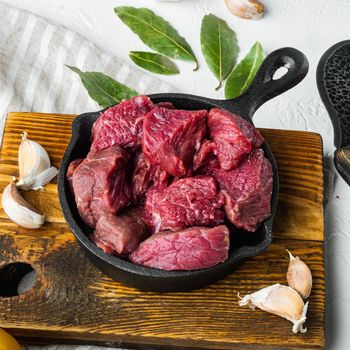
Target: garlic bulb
[19,210]
[281,301]
[248,9]
[35,169]
[299,276]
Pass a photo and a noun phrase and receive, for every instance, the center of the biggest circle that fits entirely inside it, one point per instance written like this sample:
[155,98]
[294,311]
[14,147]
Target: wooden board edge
[42,337]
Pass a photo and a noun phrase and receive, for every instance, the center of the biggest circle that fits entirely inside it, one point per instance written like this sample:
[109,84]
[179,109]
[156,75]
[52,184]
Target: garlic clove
[29,153]
[19,210]
[282,301]
[248,9]
[43,178]
[34,163]
[299,276]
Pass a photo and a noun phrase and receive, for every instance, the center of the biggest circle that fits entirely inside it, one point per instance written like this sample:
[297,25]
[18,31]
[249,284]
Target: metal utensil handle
[264,87]
[333,84]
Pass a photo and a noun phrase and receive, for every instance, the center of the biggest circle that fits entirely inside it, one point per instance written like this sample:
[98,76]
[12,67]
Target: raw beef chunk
[171,137]
[191,249]
[71,168]
[121,124]
[234,137]
[120,234]
[146,175]
[204,154]
[193,201]
[248,190]
[101,184]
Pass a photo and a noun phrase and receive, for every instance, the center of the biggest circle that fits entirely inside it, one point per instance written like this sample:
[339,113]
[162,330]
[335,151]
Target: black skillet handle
[264,87]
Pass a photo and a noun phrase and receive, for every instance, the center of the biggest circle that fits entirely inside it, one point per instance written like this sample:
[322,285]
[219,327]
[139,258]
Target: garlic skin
[19,210]
[35,169]
[248,9]
[299,276]
[279,300]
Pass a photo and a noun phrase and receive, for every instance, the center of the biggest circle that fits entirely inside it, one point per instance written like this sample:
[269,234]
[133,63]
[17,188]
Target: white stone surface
[309,25]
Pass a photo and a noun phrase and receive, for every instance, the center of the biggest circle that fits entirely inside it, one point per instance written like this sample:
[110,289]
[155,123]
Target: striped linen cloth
[33,76]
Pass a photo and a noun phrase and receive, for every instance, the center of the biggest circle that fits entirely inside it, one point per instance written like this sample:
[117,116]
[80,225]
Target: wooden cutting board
[72,302]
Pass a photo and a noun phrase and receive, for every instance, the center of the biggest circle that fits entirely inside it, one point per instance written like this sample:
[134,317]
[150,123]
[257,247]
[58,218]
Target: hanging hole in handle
[281,72]
[16,278]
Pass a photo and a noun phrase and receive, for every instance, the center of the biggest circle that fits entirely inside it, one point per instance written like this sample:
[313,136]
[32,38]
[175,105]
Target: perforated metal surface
[334,85]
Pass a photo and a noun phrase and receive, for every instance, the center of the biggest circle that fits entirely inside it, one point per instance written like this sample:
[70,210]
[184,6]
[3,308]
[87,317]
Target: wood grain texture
[73,302]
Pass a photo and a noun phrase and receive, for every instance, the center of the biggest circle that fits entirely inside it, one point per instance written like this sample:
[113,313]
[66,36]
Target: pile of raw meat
[159,183]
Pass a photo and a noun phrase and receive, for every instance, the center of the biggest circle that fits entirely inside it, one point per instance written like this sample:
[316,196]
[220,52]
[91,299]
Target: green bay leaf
[102,88]
[156,32]
[154,62]
[243,74]
[219,46]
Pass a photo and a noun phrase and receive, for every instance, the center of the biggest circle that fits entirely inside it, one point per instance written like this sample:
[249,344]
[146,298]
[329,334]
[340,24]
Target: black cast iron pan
[243,245]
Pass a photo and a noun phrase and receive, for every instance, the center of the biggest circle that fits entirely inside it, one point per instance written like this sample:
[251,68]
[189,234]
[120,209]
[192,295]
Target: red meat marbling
[233,136]
[192,249]
[121,124]
[101,184]
[171,137]
[193,201]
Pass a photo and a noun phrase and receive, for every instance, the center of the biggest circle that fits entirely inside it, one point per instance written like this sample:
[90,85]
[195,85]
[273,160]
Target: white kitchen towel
[33,76]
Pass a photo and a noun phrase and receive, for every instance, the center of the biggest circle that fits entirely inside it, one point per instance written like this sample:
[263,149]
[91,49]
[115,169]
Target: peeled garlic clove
[19,210]
[299,276]
[34,165]
[248,9]
[282,301]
